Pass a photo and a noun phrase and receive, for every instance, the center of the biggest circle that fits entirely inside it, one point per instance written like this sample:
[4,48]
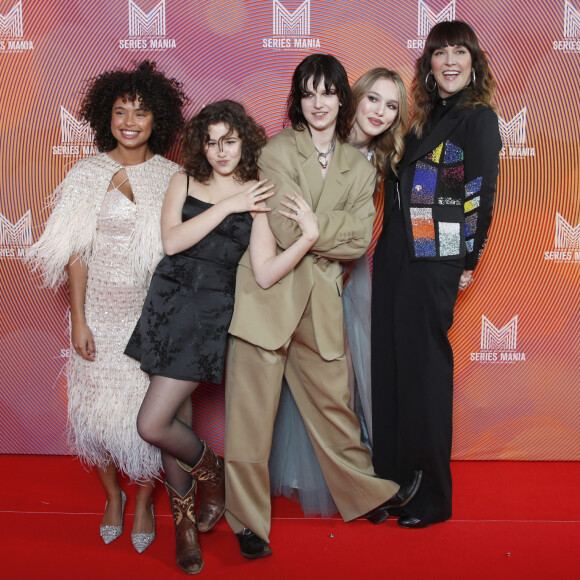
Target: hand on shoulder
[251,198]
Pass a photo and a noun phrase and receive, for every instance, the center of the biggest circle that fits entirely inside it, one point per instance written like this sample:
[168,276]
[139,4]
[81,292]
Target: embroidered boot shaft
[187,550]
[209,474]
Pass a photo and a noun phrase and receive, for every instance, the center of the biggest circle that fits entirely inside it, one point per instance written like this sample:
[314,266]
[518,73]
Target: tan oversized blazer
[267,318]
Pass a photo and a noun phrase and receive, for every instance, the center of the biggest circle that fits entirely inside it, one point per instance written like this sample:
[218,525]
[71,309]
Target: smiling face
[223,153]
[320,107]
[131,125]
[378,109]
[451,67]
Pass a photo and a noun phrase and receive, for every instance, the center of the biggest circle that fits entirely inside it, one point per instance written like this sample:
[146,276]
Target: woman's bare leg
[108,478]
[143,522]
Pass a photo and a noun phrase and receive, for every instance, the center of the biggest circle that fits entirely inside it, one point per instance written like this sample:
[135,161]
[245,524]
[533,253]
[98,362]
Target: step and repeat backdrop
[516,331]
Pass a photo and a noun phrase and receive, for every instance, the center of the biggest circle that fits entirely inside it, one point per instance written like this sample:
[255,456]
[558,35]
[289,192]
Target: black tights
[164,420]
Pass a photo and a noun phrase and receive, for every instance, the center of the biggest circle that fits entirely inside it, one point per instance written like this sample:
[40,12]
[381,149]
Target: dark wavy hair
[196,135]
[317,67]
[156,93]
[480,92]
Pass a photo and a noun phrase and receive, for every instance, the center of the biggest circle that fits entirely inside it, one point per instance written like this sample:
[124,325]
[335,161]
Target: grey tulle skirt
[294,469]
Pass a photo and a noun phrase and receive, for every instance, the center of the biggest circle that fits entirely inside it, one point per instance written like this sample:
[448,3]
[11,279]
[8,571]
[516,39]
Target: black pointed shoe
[416,523]
[405,494]
[252,546]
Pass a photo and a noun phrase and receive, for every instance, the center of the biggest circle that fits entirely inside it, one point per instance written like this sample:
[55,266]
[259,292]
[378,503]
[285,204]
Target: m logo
[17,234]
[571,21]
[514,132]
[146,23]
[503,339]
[427,18]
[11,24]
[566,236]
[72,130]
[296,23]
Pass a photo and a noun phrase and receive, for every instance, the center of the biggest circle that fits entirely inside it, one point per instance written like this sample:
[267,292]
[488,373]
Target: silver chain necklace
[323,155]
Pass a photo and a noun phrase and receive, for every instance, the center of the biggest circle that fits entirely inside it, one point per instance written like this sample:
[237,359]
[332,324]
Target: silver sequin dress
[121,243]
[104,395]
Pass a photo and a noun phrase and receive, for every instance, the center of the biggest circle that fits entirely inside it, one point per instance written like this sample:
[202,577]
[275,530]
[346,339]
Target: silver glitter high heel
[111,533]
[141,541]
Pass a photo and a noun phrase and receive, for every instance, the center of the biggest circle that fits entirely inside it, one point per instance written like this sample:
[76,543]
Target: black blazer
[447,182]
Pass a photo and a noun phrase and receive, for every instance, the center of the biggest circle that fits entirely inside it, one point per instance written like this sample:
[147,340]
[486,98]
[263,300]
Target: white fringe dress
[121,243]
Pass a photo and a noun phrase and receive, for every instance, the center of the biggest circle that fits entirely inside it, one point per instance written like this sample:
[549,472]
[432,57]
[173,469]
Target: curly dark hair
[196,135]
[480,92]
[156,93]
[317,67]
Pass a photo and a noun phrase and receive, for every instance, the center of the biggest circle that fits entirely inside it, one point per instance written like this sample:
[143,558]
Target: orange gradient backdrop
[515,399]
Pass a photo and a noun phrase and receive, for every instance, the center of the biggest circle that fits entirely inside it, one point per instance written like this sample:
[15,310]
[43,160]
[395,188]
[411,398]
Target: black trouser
[412,369]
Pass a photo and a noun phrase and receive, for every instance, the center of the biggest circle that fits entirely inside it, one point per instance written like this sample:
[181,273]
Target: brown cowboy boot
[187,551]
[209,473]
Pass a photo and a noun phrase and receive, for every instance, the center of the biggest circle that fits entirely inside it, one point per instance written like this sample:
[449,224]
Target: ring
[294,199]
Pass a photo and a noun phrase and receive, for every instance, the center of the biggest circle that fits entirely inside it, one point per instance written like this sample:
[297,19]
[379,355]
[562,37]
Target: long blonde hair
[480,92]
[389,146]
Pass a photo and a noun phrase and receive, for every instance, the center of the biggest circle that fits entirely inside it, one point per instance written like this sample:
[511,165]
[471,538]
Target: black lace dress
[183,328]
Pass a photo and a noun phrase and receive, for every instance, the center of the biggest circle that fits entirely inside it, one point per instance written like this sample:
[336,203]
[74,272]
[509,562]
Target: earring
[473,77]
[430,89]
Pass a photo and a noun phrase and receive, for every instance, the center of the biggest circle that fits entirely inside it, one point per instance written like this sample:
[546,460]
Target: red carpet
[511,520]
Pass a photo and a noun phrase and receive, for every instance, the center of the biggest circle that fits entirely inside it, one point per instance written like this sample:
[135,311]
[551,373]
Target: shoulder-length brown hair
[389,146]
[196,136]
[480,92]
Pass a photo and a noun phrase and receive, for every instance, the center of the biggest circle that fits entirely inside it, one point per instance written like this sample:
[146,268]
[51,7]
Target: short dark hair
[317,67]
[156,93]
[196,135]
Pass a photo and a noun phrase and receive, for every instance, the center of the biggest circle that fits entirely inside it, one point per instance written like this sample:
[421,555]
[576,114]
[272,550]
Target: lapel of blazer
[310,165]
[420,147]
[335,181]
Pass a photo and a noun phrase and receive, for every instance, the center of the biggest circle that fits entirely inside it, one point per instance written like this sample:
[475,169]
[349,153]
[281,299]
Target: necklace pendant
[323,155]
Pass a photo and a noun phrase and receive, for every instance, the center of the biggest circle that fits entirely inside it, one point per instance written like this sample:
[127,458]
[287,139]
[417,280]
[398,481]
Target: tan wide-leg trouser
[320,389]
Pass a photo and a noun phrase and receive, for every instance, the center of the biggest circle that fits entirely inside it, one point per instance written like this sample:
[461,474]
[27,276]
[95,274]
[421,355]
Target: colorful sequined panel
[424,184]
[453,154]
[471,204]
[440,179]
[470,225]
[470,208]
[452,184]
[449,238]
[473,187]
[435,155]
[423,232]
